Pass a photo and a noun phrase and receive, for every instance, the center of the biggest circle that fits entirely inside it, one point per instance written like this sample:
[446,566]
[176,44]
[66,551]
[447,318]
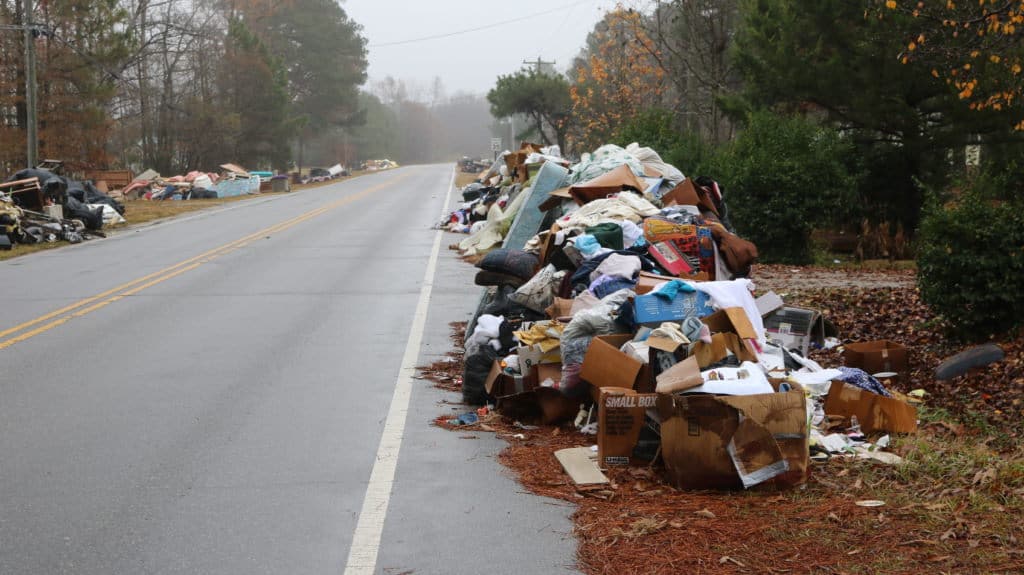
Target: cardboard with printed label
[621,415]
[653,310]
[531,355]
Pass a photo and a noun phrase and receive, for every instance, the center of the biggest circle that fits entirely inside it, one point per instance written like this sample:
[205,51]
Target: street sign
[495,144]
[972,155]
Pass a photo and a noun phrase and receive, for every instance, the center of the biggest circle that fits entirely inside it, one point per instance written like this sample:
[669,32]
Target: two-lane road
[231,393]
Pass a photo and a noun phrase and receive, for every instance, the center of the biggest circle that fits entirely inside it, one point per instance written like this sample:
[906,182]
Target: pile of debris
[617,297]
[38,205]
[234,180]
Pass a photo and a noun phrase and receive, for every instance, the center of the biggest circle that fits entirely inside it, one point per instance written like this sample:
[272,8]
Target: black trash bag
[202,194]
[87,193]
[472,191]
[54,187]
[91,217]
[474,375]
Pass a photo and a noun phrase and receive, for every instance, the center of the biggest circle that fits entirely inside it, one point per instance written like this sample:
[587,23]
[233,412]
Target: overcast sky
[470,61]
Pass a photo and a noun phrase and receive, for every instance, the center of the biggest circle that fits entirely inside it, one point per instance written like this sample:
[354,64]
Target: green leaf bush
[784,177]
[970,261]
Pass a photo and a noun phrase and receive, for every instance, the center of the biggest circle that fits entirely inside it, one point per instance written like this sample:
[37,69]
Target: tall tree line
[177,85]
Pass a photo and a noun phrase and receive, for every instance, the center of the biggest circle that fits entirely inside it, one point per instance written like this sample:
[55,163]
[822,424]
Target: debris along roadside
[38,205]
[538,374]
[41,206]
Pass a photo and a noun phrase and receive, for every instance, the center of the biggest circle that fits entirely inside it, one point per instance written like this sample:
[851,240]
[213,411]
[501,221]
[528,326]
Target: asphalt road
[208,395]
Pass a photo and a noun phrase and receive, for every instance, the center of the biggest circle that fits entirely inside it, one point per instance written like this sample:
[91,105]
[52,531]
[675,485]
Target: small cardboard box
[707,440]
[647,282]
[795,328]
[620,421]
[874,412]
[670,257]
[876,356]
[531,355]
[653,310]
[604,365]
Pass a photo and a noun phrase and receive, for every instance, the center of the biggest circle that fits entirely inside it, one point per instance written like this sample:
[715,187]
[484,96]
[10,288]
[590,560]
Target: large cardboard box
[876,356]
[874,412]
[604,365]
[711,441]
[621,415]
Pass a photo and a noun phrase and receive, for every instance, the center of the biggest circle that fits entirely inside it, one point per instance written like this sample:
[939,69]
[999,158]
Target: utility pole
[537,65]
[32,135]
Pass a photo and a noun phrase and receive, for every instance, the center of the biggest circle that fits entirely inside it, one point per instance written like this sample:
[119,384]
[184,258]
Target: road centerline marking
[93,303]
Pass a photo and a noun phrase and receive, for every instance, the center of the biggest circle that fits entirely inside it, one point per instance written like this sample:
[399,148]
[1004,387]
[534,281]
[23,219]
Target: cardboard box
[543,404]
[531,355]
[706,440]
[795,328]
[646,282]
[874,412]
[621,415]
[653,310]
[605,366]
[671,258]
[684,194]
[876,356]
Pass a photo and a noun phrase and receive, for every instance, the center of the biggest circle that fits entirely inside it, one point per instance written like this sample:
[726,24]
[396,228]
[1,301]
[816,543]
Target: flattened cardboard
[876,356]
[621,178]
[605,366]
[681,376]
[768,303]
[699,431]
[620,420]
[578,464]
[874,412]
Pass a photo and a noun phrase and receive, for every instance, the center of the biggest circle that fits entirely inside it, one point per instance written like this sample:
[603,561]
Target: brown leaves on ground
[446,373]
[952,507]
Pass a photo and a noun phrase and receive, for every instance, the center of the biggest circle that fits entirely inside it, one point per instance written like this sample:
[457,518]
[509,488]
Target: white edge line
[362,556]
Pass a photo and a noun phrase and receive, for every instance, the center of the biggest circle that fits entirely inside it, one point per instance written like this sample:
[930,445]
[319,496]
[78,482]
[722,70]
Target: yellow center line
[137,285]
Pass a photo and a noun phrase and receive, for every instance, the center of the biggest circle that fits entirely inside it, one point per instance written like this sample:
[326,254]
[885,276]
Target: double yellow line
[90,304]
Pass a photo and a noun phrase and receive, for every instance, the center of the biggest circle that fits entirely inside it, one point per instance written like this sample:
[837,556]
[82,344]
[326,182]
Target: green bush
[783,177]
[657,129]
[970,261]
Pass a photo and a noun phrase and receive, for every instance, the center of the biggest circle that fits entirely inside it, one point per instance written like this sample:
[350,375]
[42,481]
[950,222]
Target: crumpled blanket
[603,160]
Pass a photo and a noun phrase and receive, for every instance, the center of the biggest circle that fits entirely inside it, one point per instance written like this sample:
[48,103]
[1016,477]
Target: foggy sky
[470,62]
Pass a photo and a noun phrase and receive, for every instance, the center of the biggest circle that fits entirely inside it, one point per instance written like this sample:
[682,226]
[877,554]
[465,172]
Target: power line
[478,28]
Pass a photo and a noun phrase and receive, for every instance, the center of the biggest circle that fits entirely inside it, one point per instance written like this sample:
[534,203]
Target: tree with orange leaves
[975,46]
[614,78]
